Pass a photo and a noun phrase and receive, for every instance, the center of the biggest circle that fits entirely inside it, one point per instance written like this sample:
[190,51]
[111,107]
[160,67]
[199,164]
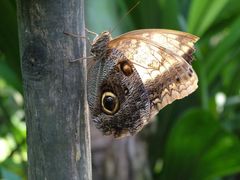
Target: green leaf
[9,36]
[203,13]
[195,13]
[9,76]
[222,53]
[198,148]
[7,175]
[170,11]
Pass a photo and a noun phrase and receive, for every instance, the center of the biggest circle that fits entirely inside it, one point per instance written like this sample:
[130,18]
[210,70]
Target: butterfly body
[135,75]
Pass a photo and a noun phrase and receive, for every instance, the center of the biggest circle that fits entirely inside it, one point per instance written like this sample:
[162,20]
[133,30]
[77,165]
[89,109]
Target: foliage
[12,125]
[195,138]
[186,143]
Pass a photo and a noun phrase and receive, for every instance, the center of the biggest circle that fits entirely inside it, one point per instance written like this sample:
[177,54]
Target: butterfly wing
[178,42]
[162,58]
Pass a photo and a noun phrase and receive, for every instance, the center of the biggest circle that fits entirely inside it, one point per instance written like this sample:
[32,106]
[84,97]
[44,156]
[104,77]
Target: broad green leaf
[170,13]
[143,20]
[221,53]
[9,35]
[9,76]
[211,14]
[196,12]
[206,13]
[7,175]
[198,148]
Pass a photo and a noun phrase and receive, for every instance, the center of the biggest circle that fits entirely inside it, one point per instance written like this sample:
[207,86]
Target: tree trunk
[119,159]
[54,89]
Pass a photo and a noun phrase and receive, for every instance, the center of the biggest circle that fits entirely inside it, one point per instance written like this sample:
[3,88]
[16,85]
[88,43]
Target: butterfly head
[100,44]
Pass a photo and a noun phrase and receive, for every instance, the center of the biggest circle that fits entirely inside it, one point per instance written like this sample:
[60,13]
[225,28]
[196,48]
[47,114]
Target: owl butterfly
[135,75]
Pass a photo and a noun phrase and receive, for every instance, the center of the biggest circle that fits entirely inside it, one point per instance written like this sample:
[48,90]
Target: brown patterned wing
[162,58]
[178,42]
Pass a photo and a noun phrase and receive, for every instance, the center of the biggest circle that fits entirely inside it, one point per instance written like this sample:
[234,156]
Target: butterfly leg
[77,36]
[91,32]
[80,59]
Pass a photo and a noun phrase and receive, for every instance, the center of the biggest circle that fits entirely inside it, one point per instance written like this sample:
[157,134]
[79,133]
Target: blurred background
[196,138]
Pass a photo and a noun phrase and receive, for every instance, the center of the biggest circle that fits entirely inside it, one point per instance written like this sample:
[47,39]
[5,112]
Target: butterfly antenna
[127,13]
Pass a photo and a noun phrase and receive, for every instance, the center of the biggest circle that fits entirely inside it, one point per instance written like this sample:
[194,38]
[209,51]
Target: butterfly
[134,76]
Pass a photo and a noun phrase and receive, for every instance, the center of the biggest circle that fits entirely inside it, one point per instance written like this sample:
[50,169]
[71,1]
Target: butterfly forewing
[180,43]
[162,58]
